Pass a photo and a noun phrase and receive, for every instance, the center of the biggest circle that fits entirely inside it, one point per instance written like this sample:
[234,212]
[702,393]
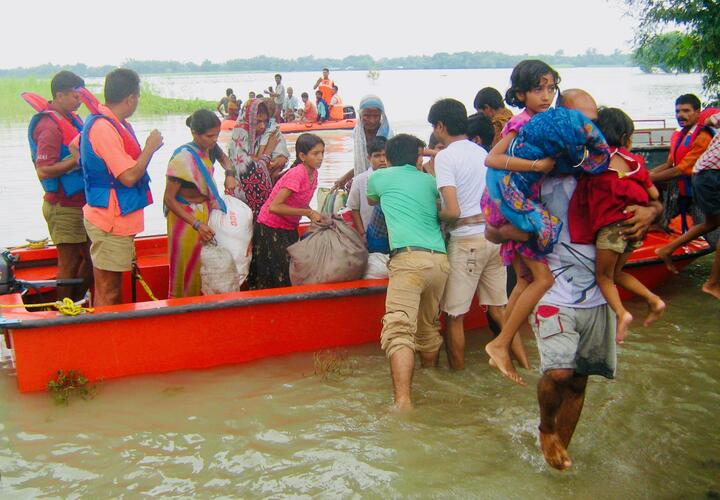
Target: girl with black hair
[277,223]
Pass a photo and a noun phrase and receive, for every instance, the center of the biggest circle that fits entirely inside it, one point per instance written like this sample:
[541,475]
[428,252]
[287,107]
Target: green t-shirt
[408,199]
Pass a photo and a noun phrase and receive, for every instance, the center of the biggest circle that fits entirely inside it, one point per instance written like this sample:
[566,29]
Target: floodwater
[275,429]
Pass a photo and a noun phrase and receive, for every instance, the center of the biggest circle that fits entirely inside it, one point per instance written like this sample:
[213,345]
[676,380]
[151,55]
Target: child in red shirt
[597,211]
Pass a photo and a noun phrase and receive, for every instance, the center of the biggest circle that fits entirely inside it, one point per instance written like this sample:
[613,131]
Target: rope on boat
[143,283]
[33,244]
[65,306]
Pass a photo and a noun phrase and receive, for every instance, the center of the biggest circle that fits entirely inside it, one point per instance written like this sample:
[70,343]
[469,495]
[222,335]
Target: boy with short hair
[323,110]
[357,198]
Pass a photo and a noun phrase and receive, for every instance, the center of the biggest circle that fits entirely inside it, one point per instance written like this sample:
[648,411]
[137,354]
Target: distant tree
[694,47]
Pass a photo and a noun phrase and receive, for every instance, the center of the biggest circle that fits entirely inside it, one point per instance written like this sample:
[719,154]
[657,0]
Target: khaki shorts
[65,224]
[475,268]
[582,340]
[412,313]
[110,252]
[609,238]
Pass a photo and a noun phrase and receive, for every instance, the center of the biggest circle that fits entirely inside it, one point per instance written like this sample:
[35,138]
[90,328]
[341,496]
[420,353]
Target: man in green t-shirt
[418,263]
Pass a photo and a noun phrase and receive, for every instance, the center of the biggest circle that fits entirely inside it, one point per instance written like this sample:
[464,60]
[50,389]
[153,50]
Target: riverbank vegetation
[443,60]
[15,109]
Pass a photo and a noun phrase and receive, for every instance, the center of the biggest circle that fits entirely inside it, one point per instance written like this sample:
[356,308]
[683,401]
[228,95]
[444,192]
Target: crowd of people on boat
[326,105]
[553,192]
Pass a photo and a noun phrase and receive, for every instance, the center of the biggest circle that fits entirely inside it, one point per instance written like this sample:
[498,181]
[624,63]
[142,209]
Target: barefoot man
[573,325]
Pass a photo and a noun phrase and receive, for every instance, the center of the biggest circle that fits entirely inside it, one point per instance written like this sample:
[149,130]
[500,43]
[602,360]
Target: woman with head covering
[190,194]
[373,122]
[257,148]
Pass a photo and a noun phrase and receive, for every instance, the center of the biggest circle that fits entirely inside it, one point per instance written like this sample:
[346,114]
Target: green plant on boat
[67,386]
[332,363]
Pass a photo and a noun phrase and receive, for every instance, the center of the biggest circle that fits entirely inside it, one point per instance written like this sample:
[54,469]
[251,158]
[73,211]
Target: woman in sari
[190,194]
[372,122]
[258,153]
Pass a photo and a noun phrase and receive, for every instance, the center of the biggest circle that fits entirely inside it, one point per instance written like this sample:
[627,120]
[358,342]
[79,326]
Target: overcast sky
[109,32]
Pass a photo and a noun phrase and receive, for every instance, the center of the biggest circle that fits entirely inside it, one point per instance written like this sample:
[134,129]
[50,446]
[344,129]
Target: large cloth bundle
[330,251]
[233,232]
[218,273]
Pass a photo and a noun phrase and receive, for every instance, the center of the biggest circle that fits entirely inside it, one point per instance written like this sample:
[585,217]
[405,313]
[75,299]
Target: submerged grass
[14,109]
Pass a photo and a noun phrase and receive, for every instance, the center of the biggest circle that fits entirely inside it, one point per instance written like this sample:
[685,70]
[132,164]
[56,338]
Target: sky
[108,32]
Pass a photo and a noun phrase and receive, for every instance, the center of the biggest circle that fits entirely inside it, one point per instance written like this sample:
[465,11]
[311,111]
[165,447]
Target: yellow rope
[33,244]
[145,286]
[65,306]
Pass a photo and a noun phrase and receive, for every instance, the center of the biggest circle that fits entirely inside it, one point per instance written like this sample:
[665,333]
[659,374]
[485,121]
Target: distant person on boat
[489,102]
[251,95]
[278,96]
[476,268]
[292,103]
[597,210]
[117,185]
[686,146]
[418,263]
[324,84]
[277,224]
[573,325]
[373,122]
[706,193]
[310,112]
[250,178]
[222,106]
[481,131]
[357,198]
[50,132]
[323,110]
[233,108]
[190,194]
[337,111]
[562,139]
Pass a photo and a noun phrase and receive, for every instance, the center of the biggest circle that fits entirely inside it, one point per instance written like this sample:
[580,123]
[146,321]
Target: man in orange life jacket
[324,84]
[49,133]
[686,146]
[117,186]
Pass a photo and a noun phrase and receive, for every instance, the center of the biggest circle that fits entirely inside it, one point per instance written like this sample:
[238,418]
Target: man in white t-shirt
[475,264]
[573,325]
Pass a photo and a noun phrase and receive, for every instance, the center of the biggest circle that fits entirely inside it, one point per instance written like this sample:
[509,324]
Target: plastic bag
[218,273]
[329,252]
[233,232]
[331,200]
[377,267]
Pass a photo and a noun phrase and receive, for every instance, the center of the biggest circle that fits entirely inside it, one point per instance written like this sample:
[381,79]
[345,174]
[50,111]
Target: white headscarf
[362,163]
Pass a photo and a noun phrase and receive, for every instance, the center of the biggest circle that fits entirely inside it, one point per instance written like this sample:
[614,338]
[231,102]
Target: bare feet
[712,288]
[517,349]
[657,308]
[402,406]
[623,323]
[555,453]
[667,259]
[500,359]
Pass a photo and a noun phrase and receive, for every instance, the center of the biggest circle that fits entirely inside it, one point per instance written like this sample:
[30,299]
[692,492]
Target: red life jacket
[681,143]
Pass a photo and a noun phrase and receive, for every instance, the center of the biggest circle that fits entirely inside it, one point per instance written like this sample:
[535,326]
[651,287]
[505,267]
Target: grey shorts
[579,339]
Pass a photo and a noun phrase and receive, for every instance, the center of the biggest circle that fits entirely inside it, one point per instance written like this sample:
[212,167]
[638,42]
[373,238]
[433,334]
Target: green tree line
[442,60]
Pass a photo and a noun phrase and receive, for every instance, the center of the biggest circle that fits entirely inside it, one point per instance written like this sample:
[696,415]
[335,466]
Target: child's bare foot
[555,453]
[623,323]
[500,359]
[667,259]
[712,289]
[657,308]
[518,351]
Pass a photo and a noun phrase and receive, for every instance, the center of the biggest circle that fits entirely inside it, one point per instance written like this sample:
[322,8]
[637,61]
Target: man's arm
[49,140]
[685,167]
[642,218]
[121,165]
[451,209]
[373,200]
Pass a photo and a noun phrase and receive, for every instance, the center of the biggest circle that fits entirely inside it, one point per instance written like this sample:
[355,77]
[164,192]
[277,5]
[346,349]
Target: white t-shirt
[357,198]
[572,265]
[462,165]
[280,98]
